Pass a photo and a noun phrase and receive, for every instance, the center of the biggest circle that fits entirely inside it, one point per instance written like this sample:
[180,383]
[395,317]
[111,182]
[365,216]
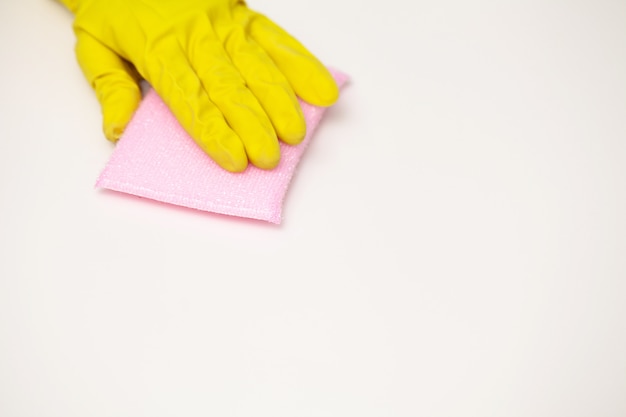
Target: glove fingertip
[320,89]
[291,130]
[225,148]
[265,156]
[118,109]
[113,132]
[327,94]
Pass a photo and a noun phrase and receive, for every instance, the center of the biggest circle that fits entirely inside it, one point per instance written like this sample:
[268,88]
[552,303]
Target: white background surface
[453,242]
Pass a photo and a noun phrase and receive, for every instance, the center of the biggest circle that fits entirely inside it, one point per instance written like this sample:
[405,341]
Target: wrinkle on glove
[155,158]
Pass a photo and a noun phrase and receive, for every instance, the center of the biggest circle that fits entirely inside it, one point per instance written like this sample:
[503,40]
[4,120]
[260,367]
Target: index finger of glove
[169,72]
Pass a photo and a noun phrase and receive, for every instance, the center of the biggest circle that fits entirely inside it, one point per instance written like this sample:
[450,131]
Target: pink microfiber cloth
[155,158]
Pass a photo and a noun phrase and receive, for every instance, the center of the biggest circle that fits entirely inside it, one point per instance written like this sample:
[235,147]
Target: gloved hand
[228,74]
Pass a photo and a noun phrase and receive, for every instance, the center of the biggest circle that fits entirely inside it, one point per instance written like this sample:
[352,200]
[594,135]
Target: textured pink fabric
[156,159]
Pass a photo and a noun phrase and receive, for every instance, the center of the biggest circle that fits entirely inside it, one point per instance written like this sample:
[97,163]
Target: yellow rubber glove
[229,74]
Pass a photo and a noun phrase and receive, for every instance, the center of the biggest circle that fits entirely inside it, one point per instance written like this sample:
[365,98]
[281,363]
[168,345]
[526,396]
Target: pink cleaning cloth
[155,158]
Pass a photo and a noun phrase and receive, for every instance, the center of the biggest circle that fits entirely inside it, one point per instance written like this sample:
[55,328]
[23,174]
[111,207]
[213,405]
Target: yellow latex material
[229,75]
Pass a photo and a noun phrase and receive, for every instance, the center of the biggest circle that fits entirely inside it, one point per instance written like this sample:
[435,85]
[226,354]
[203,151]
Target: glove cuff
[72,5]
